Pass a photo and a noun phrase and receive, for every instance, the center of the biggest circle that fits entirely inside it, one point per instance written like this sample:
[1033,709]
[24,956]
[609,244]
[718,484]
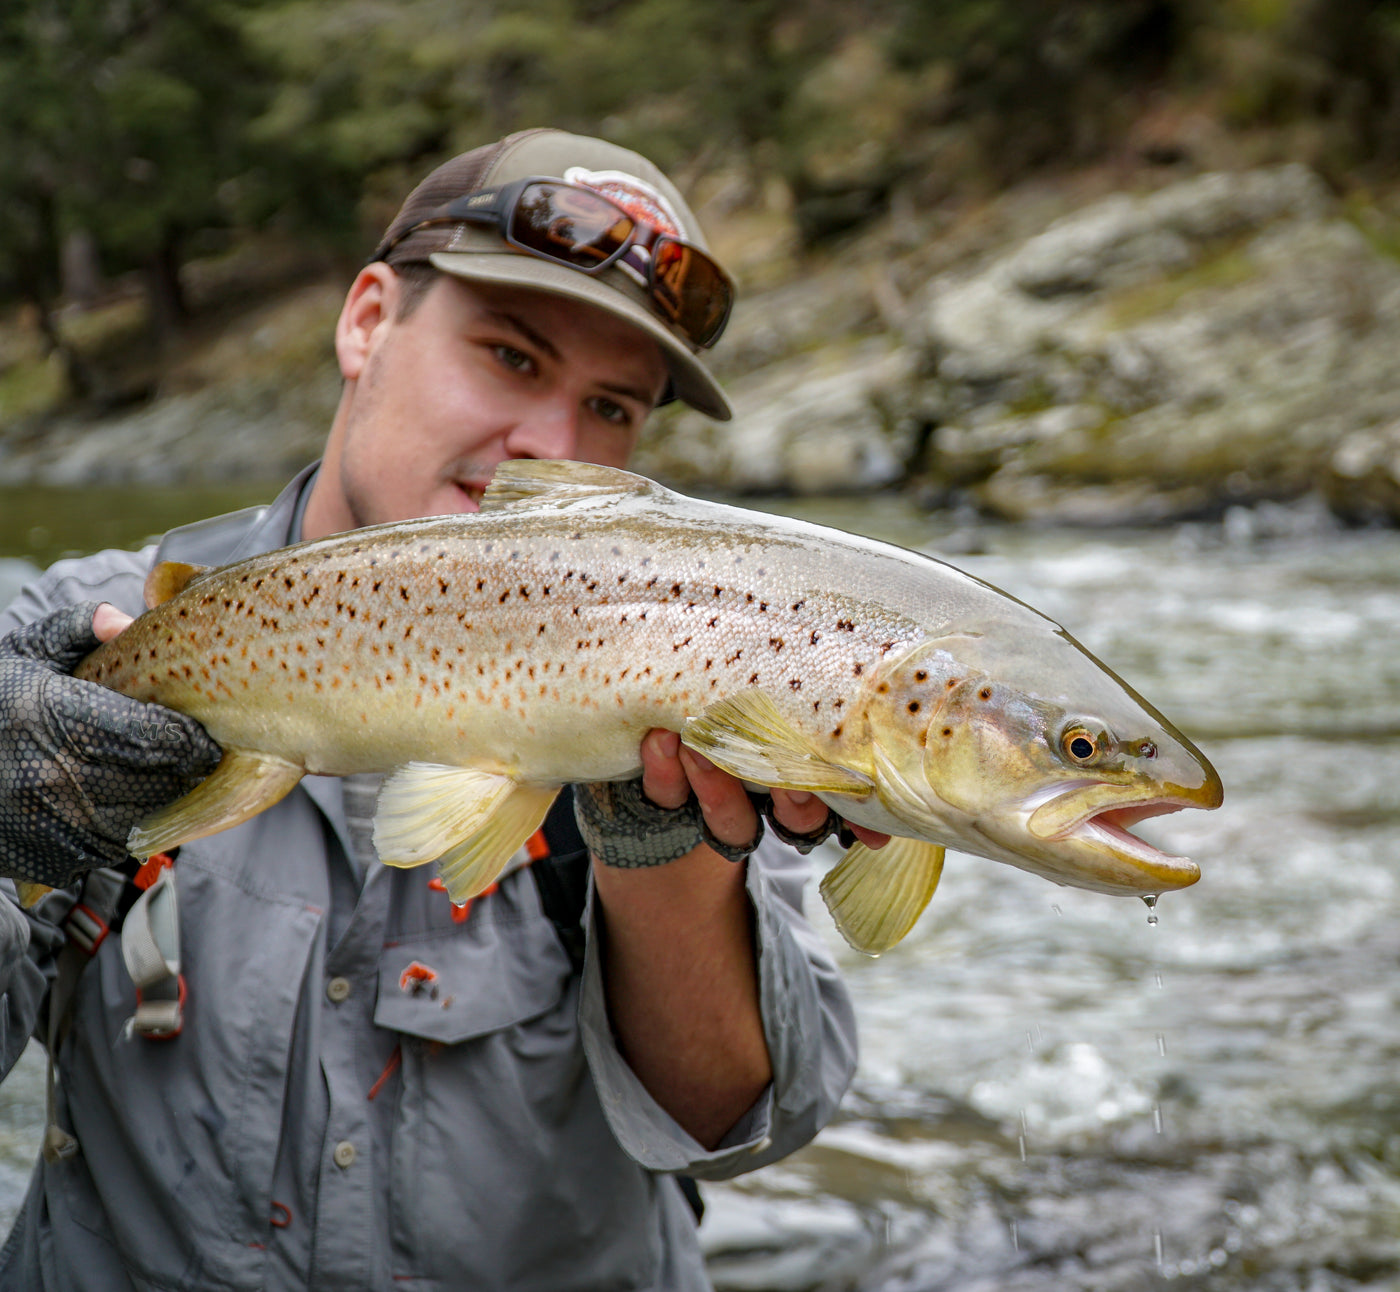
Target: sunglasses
[576,226]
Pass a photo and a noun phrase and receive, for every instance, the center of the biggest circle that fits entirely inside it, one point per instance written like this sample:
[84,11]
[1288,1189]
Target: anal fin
[243,784]
[749,737]
[876,895]
[470,822]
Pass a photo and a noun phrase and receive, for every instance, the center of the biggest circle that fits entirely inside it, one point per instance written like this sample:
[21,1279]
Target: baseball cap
[479,254]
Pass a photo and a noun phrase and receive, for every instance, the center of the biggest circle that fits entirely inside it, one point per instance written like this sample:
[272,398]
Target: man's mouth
[470,492]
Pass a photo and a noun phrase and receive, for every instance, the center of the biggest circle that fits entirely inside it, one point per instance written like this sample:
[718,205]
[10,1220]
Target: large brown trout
[485,660]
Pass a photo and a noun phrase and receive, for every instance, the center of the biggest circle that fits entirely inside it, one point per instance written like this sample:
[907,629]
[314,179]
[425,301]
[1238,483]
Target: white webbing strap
[151,949]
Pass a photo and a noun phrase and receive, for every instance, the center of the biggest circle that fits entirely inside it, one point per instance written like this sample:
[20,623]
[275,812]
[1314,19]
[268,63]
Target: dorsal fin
[168,578]
[537,480]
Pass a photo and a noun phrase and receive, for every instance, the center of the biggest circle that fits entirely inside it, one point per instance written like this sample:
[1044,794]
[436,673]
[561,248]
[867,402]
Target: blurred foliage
[160,129]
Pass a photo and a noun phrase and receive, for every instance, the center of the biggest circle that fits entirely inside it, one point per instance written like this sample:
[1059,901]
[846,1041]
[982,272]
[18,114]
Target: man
[371,1088]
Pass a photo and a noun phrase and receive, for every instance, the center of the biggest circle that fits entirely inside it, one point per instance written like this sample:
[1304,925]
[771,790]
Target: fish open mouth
[1110,828]
[1099,816]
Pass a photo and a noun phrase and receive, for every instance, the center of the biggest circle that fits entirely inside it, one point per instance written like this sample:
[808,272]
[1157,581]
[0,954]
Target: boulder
[1150,358]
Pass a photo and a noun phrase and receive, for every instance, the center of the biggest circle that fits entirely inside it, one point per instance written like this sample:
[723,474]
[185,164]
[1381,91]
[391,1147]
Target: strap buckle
[85,928]
[151,950]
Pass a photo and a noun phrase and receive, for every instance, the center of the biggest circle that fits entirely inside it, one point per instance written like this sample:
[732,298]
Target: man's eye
[611,411]
[514,358]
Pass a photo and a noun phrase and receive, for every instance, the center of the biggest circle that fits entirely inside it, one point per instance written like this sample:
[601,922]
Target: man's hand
[79,764]
[679,964]
[670,772]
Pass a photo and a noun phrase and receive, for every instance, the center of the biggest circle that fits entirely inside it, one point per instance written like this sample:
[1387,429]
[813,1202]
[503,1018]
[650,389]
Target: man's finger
[108,621]
[723,800]
[663,778]
[799,811]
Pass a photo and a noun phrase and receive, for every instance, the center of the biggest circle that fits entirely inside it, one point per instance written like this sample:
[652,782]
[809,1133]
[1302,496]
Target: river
[1053,1092]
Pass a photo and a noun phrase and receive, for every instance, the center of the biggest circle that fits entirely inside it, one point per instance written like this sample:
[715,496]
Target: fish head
[1022,747]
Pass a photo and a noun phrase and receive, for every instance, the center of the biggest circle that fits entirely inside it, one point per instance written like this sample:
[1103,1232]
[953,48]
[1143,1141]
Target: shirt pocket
[502,967]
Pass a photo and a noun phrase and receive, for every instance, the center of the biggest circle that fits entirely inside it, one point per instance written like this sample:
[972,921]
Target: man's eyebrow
[535,338]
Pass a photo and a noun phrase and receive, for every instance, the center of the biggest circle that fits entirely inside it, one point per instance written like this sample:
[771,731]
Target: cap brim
[690,379]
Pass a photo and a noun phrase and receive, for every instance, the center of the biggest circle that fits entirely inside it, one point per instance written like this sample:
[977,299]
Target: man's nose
[546,430]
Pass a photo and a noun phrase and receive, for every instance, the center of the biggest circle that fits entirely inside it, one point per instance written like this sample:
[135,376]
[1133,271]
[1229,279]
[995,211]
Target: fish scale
[485,660]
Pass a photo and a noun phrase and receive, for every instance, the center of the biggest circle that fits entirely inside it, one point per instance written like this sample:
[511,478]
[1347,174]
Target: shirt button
[338,989]
[344,1154]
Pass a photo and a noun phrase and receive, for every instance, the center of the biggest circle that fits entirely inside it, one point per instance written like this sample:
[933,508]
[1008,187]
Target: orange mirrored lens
[689,289]
[570,224]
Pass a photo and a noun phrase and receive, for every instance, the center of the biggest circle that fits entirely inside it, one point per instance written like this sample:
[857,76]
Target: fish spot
[985,693]
[836,731]
[913,706]
[883,688]
[753,679]
[443,585]
[947,731]
[815,637]
[403,593]
[846,625]
[795,683]
[921,675]
[378,583]
[859,669]
[776,643]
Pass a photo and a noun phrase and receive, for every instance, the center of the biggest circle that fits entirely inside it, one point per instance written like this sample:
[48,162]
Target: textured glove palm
[79,764]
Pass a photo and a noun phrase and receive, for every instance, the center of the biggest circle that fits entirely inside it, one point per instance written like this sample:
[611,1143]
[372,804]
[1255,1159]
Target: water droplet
[1015,1238]
[1057,910]
[1151,900]
[1161,1045]
[1157,1117]
[1030,1043]
[1021,1141]
[1158,979]
[1157,1246]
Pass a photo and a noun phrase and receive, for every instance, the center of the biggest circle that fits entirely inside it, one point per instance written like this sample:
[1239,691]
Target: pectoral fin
[749,737]
[168,578]
[470,822]
[242,785]
[875,895]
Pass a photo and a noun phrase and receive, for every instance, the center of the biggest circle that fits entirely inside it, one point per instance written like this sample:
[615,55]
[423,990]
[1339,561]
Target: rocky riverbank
[1226,339]
[1064,354]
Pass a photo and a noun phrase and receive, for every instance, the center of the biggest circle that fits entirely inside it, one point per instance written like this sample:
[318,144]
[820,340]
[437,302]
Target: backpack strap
[561,876]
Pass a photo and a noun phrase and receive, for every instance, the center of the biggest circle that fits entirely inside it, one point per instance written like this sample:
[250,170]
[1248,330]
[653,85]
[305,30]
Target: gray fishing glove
[624,828]
[79,764]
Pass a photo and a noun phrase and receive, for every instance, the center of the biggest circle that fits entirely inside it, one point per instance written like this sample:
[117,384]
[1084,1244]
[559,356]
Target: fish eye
[1081,745]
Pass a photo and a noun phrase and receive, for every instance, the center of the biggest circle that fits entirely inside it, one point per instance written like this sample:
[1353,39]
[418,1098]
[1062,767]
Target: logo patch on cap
[635,196]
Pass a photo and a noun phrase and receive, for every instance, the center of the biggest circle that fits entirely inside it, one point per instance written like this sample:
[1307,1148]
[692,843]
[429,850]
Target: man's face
[475,375]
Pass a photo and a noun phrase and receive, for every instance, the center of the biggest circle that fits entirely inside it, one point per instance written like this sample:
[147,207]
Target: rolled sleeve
[808,1023]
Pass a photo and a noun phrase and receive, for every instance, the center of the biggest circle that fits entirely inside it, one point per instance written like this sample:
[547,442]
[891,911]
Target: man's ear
[370,307]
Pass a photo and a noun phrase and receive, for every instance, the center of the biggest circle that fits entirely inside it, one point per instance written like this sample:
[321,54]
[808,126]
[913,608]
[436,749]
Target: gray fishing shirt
[318,1124]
